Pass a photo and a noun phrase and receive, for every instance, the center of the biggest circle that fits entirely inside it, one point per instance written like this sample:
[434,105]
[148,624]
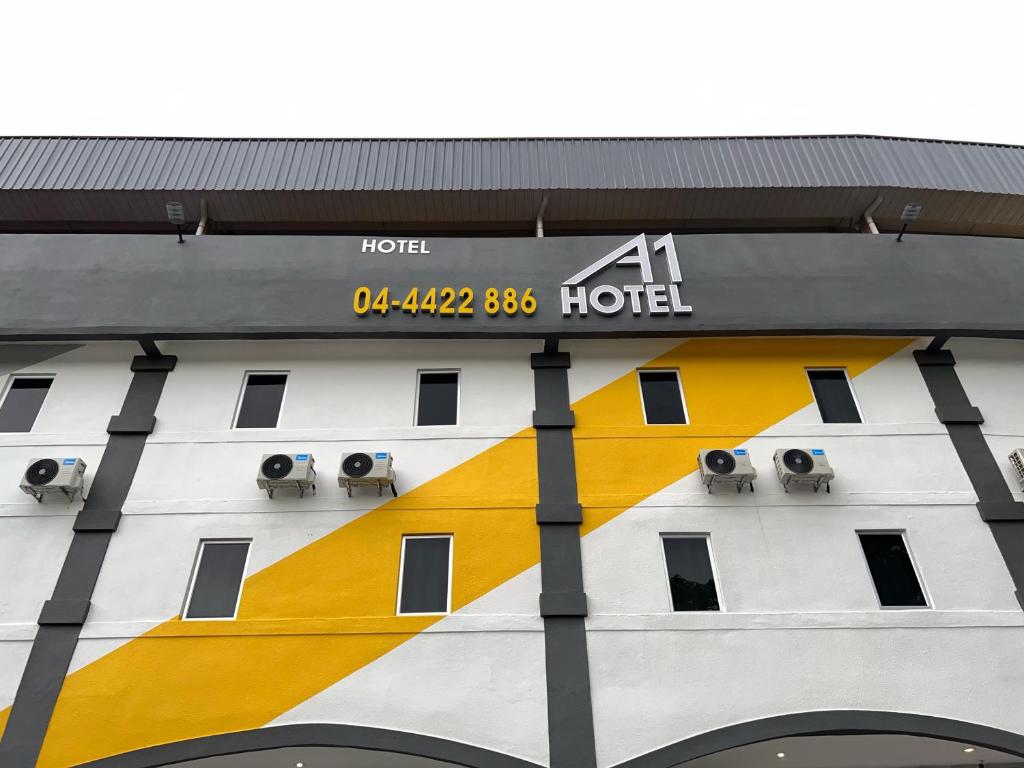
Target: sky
[382,68]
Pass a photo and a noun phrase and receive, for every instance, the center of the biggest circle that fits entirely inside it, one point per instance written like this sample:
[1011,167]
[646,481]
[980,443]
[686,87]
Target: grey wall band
[959,414]
[828,723]
[312,735]
[560,512]
[737,284]
[64,611]
[563,603]
[1001,510]
[61,620]
[995,501]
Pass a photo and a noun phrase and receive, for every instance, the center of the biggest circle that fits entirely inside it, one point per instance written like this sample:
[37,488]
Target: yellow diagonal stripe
[325,611]
[734,389]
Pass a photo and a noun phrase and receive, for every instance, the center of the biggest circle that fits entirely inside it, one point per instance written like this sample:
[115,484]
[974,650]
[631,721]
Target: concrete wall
[316,639]
[800,627]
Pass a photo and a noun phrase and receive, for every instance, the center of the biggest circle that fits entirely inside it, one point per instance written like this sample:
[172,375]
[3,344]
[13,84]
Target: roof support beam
[868,222]
[540,216]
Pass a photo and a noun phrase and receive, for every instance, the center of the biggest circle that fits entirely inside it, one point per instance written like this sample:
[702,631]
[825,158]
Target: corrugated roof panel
[451,177]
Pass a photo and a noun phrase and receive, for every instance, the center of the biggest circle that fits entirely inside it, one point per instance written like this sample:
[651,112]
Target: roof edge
[736,137]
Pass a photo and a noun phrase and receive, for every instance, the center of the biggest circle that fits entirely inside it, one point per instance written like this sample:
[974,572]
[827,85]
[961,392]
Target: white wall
[801,628]
[197,479]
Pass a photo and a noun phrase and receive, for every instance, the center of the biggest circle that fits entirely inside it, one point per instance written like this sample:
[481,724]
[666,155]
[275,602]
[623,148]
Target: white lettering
[369,245]
[657,302]
[634,292]
[607,290]
[667,244]
[677,302]
[423,246]
[386,246]
[641,258]
[569,300]
[414,246]
[401,245]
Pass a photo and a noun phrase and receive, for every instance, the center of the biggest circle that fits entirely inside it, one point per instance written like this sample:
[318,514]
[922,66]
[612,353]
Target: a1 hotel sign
[644,297]
[597,289]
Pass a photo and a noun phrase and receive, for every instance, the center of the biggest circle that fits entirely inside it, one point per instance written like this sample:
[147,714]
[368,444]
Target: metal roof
[70,181]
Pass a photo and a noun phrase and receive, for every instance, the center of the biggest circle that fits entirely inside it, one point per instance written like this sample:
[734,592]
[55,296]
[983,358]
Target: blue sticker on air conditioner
[817,452]
[302,457]
[740,452]
[380,455]
[69,461]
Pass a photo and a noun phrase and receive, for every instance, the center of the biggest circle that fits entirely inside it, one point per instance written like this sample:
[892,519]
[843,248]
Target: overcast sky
[933,69]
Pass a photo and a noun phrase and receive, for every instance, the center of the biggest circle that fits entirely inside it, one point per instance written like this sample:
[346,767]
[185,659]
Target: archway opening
[316,757]
[857,751]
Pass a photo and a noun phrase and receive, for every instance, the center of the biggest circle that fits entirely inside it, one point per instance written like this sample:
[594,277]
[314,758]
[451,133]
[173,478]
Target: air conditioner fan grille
[42,472]
[277,467]
[720,462]
[797,461]
[357,465]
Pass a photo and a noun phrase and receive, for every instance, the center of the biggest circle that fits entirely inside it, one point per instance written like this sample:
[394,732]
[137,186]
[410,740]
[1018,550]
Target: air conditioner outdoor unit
[1017,462]
[63,477]
[287,470]
[806,467]
[367,468]
[719,466]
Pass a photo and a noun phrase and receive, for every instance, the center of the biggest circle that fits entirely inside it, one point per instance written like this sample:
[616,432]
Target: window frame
[241,396]
[458,396]
[9,384]
[667,580]
[849,385]
[401,573]
[902,533]
[682,396]
[197,559]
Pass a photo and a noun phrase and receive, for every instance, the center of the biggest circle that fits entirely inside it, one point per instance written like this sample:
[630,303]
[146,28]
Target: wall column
[563,603]
[62,616]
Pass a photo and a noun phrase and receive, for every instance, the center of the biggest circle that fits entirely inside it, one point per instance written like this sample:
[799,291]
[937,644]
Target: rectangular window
[834,396]
[424,578]
[437,401]
[691,574]
[22,402]
[896,581]
[217,580]
[662,396]
[260,405]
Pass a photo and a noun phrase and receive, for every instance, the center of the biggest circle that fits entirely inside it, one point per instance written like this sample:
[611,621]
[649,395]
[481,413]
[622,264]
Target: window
[216,584]
[21,405]
[888,557]
[437,401]
[691,574]
[260,404]
[424,583]
[662,395]
[834,396]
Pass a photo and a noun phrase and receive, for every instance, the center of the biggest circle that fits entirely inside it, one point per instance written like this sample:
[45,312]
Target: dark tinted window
[663,399]
[425,575]
[261,401]
[891,570]
[834,397]
[21,406]
[217,581]
[689,574]
[439,399]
